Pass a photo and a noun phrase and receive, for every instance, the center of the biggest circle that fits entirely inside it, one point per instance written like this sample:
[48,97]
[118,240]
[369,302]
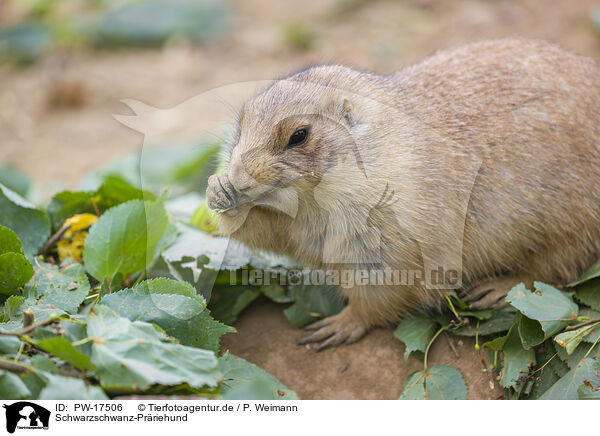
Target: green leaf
[440,382]
[116,190]
[277,293]
[589,294]
[187,270]
[496,344]
[64,350]
[66,204]
[204,260]
[154,22]
[24,42]
[9,344]
[214,253]
[585,392]
[34,382]
[124,239]
[227,302]
[530,332]
[591,273]
[458,303]
[9,241]
[171,164]
[595,333]
[547,378]
[44,363]
[206,332]
[14,180]
[15,271]
[571,339]
[164,285]
[199,166]
[77,332]
[12,387]
[546,311]
[182,315]
[64,289]
[415,333]
[517,360]
[41,311]
[31,224]
[558,365]
[42,308]
[59,387]
[134,354]
[566,388]
[312,303]
[113,191]
[481,315]
[573,359]
[12,306]
[243,380]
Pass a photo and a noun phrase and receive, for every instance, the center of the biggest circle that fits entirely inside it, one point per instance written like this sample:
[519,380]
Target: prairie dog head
[288,137]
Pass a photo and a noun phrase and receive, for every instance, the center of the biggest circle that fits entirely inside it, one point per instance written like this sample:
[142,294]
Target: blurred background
[65,65]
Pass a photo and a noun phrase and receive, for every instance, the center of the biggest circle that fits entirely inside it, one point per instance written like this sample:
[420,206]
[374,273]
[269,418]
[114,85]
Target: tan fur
[498,139]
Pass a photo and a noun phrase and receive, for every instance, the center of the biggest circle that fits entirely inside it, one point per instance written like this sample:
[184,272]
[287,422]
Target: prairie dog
[481,161]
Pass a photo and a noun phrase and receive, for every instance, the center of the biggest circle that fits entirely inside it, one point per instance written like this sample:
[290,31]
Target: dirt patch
[371,369]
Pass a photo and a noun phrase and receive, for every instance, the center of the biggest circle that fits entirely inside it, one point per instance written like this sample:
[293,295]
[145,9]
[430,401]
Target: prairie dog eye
[299,137]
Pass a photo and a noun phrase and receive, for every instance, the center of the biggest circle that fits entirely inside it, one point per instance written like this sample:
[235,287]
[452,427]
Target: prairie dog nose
[238,176]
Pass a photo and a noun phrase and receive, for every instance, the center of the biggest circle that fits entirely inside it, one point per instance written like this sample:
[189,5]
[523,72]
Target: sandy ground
[56,146]
[372,369]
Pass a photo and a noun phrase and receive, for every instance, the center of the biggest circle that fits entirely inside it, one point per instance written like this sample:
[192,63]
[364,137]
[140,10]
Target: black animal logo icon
[26,414]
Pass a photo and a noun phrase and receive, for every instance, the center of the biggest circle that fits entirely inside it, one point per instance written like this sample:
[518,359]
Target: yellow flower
[73,241]
[79,222]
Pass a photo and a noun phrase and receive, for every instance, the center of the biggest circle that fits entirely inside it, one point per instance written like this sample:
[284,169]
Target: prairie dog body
[482,160]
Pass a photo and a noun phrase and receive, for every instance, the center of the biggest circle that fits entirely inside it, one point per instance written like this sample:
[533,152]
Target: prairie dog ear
[341,108]
[347,111]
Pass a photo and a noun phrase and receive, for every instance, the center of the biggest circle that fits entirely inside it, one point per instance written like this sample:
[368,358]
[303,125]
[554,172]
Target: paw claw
[317,336]
[336,339]
[490,295]
[318,324]
[334,330]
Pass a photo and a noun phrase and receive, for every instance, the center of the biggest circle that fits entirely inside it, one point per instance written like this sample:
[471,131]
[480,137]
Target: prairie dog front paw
[221,195]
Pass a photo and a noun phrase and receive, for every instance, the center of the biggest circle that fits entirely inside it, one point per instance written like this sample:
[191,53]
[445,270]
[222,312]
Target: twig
[140,278]
[21,348]
[576,326]
[94,302]
[451,343]
[95,206]
[73,373]
[453,309]
[20,368]
[11,366]
[431,341]
[30,328]
[544,365]
[54,238]
[591,348]
[82,341]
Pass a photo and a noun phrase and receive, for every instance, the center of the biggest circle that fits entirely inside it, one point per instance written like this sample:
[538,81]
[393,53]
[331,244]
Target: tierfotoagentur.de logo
[25,415]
